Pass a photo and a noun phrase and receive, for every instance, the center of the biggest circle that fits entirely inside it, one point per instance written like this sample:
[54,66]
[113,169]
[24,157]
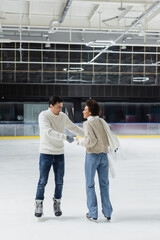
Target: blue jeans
[45,163]
[97,162]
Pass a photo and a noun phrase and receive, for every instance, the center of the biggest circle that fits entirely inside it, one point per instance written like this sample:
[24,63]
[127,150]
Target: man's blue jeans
[45,163]
[97,162]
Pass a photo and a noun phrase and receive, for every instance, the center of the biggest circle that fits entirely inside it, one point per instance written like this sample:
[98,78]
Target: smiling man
[52,123]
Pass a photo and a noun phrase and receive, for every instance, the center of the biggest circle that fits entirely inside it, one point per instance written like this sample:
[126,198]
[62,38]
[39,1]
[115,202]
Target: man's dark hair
[54,99]
[93,107]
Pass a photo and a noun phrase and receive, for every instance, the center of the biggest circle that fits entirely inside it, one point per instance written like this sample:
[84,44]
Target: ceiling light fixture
[140,79]
[73,69]
[100,43]
[96,45]
[129,37]
[105,42]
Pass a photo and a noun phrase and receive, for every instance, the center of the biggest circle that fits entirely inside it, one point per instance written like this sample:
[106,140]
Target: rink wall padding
[119,136]
[121,129]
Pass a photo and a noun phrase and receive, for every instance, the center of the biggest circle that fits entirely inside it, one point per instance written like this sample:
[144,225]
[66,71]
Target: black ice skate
[108,219]
[90,218]
[57,207]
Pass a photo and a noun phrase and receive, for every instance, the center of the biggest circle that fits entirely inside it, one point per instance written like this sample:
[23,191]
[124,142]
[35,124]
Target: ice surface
[134,193]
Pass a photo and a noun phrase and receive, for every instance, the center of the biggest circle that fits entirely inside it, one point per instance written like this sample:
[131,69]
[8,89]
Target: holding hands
[71,139]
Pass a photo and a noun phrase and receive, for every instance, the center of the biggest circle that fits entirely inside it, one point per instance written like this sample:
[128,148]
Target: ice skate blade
[90,218]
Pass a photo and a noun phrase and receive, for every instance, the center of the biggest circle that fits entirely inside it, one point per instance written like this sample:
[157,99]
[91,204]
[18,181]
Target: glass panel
[150,49]
[74,78]
[138,49]
[8,66]
[48,56]
[35,56]
[100,68]
[8,45]
[61,57]
[100,78]
[48,67]
[35,45]
[152,78]
[35,77]
[35,67]
[113,68]
[112,78]
[62,77]
[138,69]
[125,79]
[8,55]
[48,77]
[22,66]
[102,58]
[61,46]
[150,58]
[21,77]
[75,47]
[86,57]
[113,57]
[126,58]
[25,56]
[75,57]
[8,77]
[126,69]
[87,77]
[138,58]
[150,69]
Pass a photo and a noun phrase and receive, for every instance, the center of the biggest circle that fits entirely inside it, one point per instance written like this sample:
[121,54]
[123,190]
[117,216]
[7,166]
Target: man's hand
[69,139]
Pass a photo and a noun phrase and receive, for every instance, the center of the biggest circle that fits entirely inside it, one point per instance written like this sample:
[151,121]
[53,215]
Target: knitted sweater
[95,139]
[52,131]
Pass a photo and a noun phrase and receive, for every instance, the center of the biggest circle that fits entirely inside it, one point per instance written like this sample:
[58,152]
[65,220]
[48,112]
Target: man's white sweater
[52,131]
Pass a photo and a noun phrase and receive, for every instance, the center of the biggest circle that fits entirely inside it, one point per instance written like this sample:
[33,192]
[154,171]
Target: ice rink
[134,193]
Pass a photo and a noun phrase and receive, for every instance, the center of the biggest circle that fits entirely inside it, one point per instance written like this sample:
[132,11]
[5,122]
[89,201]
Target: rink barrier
[120,129]
[21,137]
[119,136]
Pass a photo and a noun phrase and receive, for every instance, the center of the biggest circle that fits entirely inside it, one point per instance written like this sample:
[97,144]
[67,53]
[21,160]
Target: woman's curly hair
[93,107]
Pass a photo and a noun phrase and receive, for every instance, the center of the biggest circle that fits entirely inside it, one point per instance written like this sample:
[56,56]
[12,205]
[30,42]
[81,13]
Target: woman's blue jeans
[45,163]
[97,162]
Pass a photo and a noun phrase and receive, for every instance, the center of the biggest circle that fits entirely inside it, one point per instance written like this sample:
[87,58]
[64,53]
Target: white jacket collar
[92,117]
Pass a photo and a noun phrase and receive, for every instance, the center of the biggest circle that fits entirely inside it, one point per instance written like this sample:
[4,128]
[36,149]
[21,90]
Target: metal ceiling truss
[82,36]
[84,63]
[79,36]
[129,36]
[147,13]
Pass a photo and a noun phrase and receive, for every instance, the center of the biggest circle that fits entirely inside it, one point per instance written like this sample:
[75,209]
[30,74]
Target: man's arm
[73,127]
